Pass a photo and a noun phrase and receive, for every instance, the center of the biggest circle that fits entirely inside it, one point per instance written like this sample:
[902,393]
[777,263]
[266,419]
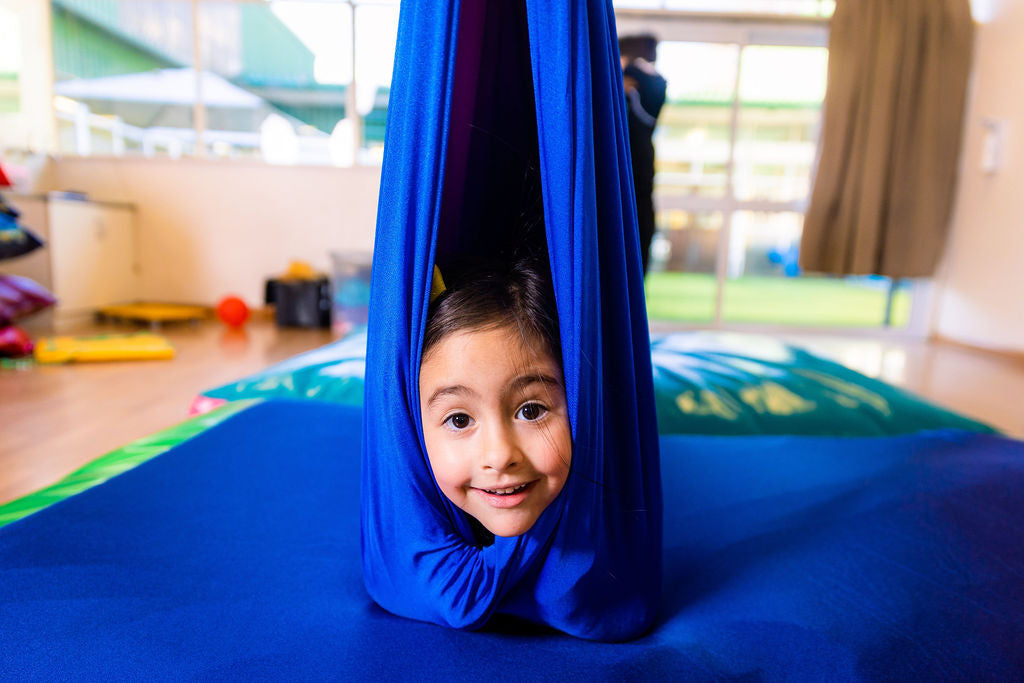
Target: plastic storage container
[350,282]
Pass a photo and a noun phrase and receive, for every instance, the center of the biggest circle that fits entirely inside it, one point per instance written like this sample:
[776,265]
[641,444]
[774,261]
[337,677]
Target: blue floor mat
[236,554]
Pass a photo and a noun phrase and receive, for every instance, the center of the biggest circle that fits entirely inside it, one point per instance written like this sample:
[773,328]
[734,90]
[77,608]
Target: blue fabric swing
[467,123]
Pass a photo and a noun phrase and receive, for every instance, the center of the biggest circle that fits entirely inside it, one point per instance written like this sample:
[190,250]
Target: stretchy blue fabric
[236,556]
[481,91]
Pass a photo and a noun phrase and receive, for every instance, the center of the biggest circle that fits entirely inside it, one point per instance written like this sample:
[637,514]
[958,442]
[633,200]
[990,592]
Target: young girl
[492,396]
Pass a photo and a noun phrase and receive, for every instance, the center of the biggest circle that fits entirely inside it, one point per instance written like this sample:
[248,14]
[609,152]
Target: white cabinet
[89,259]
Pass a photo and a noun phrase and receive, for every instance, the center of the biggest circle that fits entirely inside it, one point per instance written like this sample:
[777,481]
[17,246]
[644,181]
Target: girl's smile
[506,497]
[495,426]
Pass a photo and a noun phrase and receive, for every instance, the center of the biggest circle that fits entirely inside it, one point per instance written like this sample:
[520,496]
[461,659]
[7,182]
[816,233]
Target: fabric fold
[458,136]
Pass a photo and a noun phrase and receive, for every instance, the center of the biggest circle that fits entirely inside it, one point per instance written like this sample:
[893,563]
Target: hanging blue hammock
[485,97]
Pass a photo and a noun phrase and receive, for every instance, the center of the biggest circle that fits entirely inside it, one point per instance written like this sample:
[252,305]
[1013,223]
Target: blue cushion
[236,554]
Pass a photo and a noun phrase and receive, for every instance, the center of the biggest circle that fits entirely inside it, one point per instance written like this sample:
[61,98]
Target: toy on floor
[108,347]
[14,342]
[232,311]
[15,240]
[301,270]
[20,297]
[301,297]
[154,313]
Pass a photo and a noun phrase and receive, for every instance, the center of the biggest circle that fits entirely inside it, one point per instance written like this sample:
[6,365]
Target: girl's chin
[504,527]
[509,533]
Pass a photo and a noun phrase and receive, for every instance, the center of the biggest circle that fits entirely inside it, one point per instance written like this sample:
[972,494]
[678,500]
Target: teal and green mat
[704,382]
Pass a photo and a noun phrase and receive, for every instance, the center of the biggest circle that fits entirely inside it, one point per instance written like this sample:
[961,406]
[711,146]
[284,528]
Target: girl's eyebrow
[520,383]
[454,390]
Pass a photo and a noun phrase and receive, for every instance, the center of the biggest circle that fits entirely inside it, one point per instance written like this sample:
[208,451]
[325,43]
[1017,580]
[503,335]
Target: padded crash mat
[704,383]
[236,554]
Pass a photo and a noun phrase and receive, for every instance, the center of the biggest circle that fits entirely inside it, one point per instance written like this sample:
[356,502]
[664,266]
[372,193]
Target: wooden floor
[54,419]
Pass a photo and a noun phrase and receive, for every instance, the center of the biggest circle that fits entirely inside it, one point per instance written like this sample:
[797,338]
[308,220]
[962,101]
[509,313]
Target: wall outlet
[992,145]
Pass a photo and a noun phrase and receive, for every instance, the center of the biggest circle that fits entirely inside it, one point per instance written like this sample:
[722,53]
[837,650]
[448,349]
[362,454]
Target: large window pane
[681,286]
[692,139]
[279,57]
[124,76]
[765,285]
[275,82]
[376,36]
[297,56]
[780,96]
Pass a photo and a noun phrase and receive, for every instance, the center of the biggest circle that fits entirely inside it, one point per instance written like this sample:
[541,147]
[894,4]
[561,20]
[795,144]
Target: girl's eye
[531,412]
[458,421]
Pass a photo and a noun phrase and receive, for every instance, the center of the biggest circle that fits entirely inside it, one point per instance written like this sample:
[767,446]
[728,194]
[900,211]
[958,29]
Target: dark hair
[643,45]
[517,294]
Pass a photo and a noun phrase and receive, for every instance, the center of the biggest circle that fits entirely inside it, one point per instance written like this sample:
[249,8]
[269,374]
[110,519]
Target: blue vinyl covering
[236,555]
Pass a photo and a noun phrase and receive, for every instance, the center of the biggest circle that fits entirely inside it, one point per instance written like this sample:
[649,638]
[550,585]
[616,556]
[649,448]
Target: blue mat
[236,554]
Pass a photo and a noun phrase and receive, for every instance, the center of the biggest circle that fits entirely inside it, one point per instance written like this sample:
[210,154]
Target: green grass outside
[803,301]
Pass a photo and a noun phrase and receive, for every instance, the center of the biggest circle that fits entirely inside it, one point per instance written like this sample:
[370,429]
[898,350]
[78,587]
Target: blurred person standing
[645,95]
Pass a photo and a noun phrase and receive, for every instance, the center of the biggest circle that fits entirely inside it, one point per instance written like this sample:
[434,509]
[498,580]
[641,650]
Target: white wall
[981,300]
[210,228]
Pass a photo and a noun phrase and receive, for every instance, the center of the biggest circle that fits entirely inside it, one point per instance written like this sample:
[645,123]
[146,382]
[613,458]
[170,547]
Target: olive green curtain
[893,120]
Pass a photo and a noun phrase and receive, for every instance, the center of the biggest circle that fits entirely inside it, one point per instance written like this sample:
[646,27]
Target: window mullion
[199,106]
[725,235]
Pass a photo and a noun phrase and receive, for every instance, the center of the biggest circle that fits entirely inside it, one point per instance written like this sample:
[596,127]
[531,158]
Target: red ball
[232,311]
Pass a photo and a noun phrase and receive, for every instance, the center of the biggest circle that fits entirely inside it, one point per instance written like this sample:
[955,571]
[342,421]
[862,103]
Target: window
[123,77]
[226,78]
[765,286]
[736,147]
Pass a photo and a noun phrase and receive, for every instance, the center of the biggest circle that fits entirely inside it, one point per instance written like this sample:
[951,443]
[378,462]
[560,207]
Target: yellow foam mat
[150,312]
[103,348]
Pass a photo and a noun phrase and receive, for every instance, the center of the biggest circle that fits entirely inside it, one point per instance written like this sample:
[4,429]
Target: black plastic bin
[300,303]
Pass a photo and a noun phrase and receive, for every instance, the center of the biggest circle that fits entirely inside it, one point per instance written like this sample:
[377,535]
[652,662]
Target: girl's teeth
[505,492]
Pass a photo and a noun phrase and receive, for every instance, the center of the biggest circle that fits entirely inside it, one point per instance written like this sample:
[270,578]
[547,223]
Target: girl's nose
[500,452]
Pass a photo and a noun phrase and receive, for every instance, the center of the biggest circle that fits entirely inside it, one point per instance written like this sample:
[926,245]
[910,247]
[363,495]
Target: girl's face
[496,426]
